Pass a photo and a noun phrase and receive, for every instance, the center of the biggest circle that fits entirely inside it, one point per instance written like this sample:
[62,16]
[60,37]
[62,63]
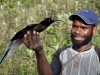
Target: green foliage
[16,14]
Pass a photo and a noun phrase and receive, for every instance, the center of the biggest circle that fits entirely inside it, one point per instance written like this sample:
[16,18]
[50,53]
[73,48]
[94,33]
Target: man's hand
[32,41]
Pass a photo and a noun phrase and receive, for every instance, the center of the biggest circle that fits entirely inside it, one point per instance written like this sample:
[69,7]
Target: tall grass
[16,14]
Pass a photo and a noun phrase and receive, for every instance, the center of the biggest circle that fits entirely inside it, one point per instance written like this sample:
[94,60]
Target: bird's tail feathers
[14,47]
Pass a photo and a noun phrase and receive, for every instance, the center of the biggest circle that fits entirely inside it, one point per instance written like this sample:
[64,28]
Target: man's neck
[83,48]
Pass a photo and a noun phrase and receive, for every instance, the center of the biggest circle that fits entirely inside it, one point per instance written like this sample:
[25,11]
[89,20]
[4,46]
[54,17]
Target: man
[82,58]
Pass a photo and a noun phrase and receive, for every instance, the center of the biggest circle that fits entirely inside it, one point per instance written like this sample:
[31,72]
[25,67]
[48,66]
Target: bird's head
[49,21]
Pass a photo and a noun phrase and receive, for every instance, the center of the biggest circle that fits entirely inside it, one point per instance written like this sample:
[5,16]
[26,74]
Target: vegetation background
[16,14]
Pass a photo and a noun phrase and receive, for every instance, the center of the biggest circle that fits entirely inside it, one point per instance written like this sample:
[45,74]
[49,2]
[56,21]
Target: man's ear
[94,30]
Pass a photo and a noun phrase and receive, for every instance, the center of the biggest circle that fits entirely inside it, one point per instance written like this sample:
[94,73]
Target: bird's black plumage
[17,40]
[20,34]
[37,27]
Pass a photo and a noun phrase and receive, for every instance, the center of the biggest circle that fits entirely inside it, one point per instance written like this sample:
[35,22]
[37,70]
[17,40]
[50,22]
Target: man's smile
[78,38]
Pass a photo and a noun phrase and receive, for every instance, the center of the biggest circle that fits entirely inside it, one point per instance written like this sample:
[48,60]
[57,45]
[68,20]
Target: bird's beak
[58,20]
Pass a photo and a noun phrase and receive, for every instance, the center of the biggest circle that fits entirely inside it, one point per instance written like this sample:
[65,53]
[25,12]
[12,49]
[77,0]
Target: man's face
[81,34]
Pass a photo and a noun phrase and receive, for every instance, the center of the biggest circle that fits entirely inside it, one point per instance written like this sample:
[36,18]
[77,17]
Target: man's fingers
[29,36]
[34,35]
[38,37]
[25,40]
[28,40]
[32,40]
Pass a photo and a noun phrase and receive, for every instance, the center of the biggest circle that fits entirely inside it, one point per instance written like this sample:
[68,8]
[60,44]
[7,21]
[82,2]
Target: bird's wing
[18,35]
[21,33]
[12,48]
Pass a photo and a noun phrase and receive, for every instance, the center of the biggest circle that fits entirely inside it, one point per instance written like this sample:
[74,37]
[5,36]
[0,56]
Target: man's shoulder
[60,50]
[97,49]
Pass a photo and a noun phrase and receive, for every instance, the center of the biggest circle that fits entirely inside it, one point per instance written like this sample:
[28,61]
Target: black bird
[17,40]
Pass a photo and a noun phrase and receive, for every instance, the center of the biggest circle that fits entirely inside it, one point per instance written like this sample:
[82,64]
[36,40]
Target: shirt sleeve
[56,63]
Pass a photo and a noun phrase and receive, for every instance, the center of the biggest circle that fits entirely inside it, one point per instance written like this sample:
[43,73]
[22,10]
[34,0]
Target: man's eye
[84,27]
[74,26]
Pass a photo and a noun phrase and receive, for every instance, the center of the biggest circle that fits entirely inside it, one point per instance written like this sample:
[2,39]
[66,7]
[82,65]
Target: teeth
[78,38]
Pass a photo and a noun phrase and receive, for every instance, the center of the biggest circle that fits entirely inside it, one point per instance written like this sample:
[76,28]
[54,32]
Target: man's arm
[42,64]
[32,41]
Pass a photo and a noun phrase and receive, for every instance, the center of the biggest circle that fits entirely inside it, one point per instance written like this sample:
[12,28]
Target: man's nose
[78,30]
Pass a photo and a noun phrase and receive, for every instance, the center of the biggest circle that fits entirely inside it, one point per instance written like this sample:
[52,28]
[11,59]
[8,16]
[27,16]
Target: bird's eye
[49,19]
